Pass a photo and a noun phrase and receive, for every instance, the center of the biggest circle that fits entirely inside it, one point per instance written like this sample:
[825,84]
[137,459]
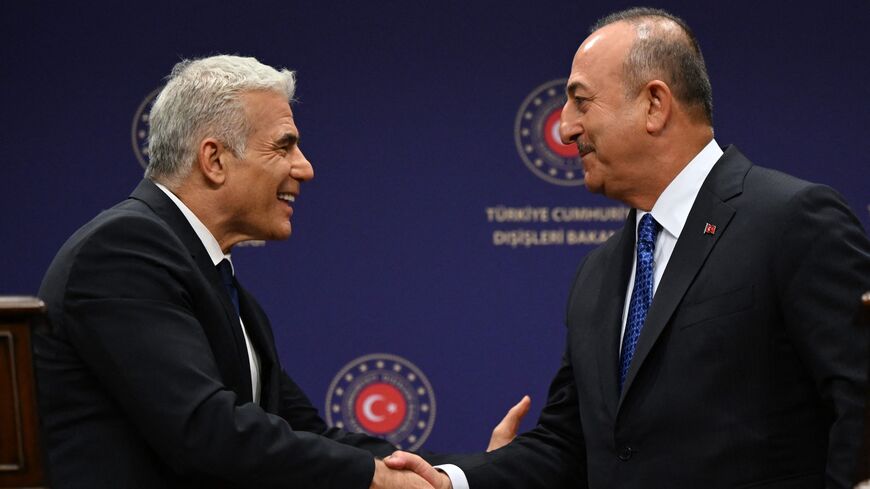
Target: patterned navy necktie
[226,271]
[641,294]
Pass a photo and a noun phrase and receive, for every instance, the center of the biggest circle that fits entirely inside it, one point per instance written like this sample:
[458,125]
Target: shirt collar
[208,240]
[671,210]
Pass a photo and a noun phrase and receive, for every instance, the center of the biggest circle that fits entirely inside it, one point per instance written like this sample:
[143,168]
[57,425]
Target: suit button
[625,454]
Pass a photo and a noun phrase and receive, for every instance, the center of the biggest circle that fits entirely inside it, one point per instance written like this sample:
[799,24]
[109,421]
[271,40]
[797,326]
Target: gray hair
[665,49]
[202,99]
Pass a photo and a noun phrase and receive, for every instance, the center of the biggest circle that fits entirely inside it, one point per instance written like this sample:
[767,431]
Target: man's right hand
[387,478]
[412,462]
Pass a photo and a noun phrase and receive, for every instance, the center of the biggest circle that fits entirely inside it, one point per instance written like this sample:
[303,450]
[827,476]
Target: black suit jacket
[143,376]
[751,369]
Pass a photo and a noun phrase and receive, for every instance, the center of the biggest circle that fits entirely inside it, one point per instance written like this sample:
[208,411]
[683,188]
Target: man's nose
[301,168]
[569,128]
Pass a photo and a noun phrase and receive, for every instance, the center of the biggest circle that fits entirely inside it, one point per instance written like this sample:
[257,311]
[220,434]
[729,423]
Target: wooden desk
[20,454]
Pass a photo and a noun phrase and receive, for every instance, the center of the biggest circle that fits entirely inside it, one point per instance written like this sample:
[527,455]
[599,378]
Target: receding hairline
[649,26]
[638,16]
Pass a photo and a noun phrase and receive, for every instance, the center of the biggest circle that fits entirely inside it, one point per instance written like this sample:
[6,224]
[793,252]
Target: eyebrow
[287,139]
[574,85]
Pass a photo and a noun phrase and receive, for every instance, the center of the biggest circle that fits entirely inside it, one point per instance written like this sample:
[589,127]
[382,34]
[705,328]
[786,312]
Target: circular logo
[139,133]
[383,395]
[536,133]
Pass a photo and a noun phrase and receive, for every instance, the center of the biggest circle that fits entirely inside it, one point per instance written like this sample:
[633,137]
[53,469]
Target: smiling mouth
[286,197]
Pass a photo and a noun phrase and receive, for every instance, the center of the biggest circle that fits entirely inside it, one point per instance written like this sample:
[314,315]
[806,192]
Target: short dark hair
[660,53]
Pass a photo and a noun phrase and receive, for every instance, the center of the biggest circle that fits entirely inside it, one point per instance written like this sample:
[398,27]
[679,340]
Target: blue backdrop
[408,112]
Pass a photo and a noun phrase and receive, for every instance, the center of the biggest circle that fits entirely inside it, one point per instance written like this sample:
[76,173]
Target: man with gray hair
[714,341]
[157,369]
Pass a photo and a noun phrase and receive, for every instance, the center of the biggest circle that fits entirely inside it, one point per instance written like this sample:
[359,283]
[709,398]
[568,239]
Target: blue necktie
[641,295]
[226,271]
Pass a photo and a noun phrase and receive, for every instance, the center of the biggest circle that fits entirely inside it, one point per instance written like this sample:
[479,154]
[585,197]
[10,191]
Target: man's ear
[660,103]
[211,159]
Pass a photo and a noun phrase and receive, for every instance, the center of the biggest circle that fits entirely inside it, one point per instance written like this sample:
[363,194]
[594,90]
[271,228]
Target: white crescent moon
[554,131]
[367,408]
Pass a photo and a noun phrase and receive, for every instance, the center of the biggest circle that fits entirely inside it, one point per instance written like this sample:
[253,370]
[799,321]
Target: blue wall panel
[407,111]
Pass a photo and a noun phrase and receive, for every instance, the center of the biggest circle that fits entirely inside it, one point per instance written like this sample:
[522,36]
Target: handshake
[407,470]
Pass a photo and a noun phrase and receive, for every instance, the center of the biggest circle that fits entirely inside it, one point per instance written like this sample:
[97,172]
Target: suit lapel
[691,251]
[152,196]
[611,304]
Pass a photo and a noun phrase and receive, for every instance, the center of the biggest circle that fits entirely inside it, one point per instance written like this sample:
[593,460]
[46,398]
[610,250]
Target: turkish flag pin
[710,229]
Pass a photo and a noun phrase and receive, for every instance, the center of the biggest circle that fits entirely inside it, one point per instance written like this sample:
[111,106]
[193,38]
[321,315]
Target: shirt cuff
[456,475]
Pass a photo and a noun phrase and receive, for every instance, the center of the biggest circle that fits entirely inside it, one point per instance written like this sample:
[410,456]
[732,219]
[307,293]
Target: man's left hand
[506,430]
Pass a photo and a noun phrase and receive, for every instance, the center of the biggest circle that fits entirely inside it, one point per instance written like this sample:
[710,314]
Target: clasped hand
[399,478]
[403,469]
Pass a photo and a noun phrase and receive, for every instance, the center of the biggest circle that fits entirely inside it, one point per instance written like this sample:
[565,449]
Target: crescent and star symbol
[370,401]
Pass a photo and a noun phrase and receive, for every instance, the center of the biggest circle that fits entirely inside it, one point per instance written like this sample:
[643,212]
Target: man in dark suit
[157,370]
[713,341]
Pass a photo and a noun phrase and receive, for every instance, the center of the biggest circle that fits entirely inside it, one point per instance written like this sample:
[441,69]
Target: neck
[668,162]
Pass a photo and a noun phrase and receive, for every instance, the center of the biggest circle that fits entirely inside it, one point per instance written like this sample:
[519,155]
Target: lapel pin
[710,229]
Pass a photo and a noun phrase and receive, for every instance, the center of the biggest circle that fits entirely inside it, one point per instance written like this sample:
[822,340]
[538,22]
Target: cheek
[618,133]
[603,127]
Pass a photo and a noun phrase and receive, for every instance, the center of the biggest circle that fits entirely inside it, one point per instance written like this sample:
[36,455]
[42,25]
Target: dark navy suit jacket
[143,376]
[751,369]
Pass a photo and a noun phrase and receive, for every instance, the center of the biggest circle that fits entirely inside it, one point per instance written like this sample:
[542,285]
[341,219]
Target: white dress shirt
[217,255]
[671,211]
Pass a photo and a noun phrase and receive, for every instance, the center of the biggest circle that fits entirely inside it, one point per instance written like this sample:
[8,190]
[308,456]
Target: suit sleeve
[297,409]
[550,456]
[823,269]
[130,314]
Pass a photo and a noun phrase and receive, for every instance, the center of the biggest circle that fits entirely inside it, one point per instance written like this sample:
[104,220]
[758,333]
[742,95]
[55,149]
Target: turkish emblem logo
[383,395]
[536,133]
[141,128]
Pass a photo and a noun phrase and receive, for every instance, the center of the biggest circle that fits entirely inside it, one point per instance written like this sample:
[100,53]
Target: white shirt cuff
[456,475]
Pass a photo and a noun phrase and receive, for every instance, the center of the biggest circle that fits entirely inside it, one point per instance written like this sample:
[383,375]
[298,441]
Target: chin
[272,235]
[594,187]
[283,233]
